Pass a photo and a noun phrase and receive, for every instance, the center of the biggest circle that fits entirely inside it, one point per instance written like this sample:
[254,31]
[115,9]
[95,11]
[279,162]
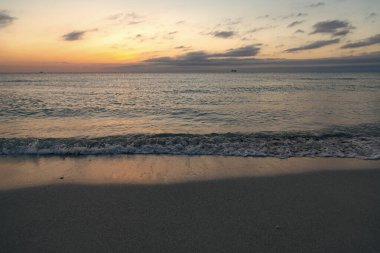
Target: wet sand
[165,204]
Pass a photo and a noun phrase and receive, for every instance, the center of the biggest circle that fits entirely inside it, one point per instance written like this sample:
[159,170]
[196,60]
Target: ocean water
[277,115]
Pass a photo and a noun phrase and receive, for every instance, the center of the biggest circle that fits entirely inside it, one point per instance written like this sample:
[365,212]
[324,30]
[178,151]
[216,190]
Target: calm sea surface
[56,113]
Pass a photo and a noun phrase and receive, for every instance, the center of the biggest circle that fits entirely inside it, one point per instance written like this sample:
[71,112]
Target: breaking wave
[363,143]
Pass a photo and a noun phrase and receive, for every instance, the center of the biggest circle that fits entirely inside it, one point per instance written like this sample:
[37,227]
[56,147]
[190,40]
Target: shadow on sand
[312,212]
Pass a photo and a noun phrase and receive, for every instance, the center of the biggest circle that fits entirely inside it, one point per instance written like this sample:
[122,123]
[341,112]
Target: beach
[190,126]
[189,204]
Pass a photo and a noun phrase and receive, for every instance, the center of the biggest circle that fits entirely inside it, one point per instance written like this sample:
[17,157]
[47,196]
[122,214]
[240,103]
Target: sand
[226,205]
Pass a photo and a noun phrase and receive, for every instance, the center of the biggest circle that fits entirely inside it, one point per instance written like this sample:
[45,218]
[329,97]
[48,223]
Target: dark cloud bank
[202,58]
[243,60]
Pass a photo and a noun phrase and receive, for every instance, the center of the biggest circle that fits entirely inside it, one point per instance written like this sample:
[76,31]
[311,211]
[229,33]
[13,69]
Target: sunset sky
[114,35]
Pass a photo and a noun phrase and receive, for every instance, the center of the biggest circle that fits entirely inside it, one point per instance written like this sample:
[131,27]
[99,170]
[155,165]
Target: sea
[230,114]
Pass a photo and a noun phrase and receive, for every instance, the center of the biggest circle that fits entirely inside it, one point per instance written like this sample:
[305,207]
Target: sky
[196,35]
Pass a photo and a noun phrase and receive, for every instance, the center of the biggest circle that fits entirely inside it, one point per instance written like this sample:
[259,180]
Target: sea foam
[265,144]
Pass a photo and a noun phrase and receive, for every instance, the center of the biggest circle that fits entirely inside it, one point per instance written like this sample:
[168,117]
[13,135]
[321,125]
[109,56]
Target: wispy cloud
[130,18]
[223,34]
[264,16]
[5,19]
[169,35]
[294,15]
[332,27]
[299,31]
[315,5]
[232,21]
[295,23]
[313,45]
[183,48]
[228,23]
[364,43]
[372,15]
[142,37]
[258,29]
[76,35]
[159,36]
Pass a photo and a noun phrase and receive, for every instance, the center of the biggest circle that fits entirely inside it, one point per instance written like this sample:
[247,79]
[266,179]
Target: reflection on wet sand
[148,169]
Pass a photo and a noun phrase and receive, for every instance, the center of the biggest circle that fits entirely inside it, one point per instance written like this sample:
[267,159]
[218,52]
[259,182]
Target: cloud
[315,5]
[183,48]
[140,37]
[169,35]
[372,15]
[188,58]
[258,29]
[115,16]
[76,35]
[232,22]
[295,23]
[5,19]
[332,27]
[299,31]
[223,34]
[202,62]
[130,18]
[205,58]
[292,15]
[264,16]
[367,42]
[157,36]
[247,51]
[342,33]
[313,45]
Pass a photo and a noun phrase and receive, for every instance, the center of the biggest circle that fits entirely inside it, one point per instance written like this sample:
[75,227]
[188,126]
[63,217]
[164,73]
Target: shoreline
[28,171]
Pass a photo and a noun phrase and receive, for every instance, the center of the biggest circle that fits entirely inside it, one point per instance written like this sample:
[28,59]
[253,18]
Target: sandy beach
[255,206]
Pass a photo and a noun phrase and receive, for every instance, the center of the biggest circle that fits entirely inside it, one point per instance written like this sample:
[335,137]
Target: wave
[364,145]
[331,78]
[22,81]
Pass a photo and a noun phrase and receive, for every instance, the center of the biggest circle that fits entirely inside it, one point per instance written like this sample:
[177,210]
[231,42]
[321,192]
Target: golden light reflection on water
[57,127]
[148,169]
[96,127]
